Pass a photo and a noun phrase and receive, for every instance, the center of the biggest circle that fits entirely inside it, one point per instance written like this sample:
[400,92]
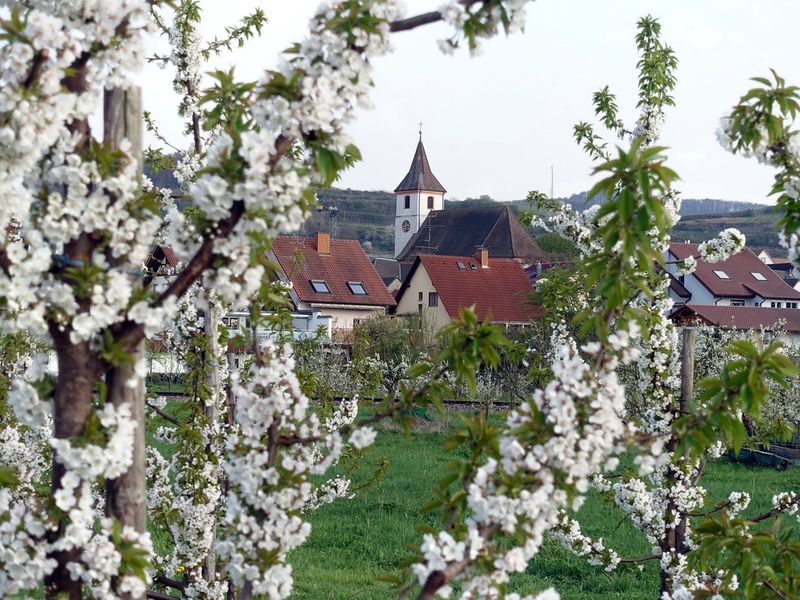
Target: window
[407,202]
[419,297]
[433,299]
[776,304]
[759,276]
[721,274]
[357,288]
[233,323]
[473,266]
[737,302]
[461,266]
[791,305]
[320,286]
[419,308]
[430,201]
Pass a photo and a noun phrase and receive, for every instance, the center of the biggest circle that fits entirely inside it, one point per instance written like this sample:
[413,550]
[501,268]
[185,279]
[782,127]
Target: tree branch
[162,414]
[423,18]
[129,332]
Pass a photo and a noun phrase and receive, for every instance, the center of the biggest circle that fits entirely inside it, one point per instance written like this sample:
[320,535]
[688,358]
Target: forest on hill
[368,216]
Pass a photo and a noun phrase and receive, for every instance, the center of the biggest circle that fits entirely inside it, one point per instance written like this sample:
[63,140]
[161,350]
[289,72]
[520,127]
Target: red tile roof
[739,268]
[739,317]
[170,257]
[300,261]
[501,291]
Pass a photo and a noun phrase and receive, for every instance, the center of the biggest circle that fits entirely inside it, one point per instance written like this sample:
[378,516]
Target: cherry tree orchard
[78,222]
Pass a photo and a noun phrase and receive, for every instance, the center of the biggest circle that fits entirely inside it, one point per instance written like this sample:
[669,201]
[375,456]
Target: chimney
[323,240]
[482,254]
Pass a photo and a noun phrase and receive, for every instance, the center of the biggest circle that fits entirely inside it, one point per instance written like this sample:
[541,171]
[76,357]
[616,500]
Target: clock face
[406,226]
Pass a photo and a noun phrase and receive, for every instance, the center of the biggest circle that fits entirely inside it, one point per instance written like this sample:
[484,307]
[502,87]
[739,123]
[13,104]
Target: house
[741,280]
[740,317]
[332,277]
[160,267]
[439,286]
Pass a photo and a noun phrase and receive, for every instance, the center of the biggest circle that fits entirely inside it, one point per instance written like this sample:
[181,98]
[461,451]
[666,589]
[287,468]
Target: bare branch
[162,414]
[423,18]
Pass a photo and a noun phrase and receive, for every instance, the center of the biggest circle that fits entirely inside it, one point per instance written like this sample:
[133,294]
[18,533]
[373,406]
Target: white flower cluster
[687,266]
[739,501]
[578,444]
[568,532]
[454,13]
[23,556]
[726,244]
[786,502]
[278,443]
[649,125]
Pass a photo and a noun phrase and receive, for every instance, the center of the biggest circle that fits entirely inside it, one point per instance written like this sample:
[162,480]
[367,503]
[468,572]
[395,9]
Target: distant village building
[460,231]
[740,317]
[439,286]
[332,277]
[741,280]
[424,227]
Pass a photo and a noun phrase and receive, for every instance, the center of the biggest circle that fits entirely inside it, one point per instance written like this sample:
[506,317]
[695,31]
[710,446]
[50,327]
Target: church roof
[419,176]
[460,231]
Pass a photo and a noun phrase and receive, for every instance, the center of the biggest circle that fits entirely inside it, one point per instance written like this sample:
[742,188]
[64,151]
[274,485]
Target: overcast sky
[494,124]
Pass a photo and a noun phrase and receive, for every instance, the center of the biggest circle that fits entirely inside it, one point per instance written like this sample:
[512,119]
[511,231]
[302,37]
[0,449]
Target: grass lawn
[354,541]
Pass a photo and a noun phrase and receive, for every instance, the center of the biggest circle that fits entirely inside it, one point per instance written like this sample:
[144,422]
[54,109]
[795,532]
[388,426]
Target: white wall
[409,303]
[416,214]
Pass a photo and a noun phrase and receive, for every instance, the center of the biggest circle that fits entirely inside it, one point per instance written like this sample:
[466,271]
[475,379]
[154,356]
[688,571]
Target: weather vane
[420,130]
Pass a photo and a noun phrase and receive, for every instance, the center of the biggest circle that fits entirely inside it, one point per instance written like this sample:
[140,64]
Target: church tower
[418,194]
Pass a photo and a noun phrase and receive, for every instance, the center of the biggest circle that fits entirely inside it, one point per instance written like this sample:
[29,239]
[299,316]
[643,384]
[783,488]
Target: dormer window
[357,288]
[320,286]
[721,274]
[473,266]
[758,276]
[461,266]
[407,202]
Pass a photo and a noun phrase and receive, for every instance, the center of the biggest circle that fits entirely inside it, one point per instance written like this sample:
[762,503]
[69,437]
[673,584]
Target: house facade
[331,277]
[438,287]
[741,280]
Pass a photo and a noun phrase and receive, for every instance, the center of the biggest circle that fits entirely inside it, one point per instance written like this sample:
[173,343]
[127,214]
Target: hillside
[369,217]
[759,226]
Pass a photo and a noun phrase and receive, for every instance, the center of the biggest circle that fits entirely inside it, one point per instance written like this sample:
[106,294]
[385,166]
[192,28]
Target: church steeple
[417,195]
[419,176]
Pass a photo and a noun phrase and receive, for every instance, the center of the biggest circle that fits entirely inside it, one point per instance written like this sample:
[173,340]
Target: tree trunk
[72,404]
[126,495]
[675,536]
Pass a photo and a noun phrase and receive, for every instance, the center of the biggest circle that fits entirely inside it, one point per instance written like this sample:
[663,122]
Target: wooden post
[689,341]
[126,495]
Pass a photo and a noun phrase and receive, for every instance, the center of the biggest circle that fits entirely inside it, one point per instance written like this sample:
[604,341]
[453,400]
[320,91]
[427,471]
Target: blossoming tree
[77,228]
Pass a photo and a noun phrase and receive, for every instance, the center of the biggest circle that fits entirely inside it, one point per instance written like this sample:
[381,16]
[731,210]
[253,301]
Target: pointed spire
[419,176]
